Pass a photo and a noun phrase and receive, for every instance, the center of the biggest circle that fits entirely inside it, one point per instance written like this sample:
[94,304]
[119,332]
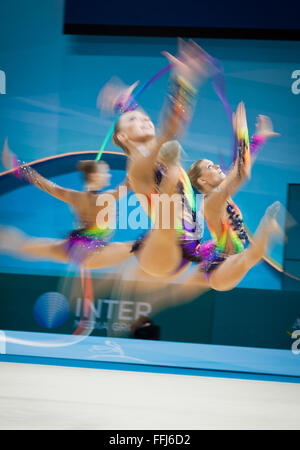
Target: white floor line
[50,397]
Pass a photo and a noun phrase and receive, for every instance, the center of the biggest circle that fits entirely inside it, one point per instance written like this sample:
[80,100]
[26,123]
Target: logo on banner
[2,82]
[118,315]
[2,343]
[51,310]
[296,83]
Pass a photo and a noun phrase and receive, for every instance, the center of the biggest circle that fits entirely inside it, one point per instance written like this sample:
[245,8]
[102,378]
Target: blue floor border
[146,368]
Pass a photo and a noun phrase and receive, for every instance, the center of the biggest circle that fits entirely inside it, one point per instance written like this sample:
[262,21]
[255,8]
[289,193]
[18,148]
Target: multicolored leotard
[83,241]
[79,242]
[213,251]
[188,228]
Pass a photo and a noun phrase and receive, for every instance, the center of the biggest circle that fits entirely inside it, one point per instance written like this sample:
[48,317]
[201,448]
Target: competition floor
[50,381]
[41,396]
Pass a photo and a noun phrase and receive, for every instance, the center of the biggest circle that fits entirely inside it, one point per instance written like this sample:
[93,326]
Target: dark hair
[89,166]
[144,328]
[115,139]
[194,173]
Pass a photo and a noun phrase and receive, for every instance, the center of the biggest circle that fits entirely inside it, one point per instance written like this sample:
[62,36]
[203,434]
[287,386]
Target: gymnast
[171,260]
[165,251]
[88,245]
[225,261]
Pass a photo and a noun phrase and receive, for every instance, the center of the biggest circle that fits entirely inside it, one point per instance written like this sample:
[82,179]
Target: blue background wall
[50,108]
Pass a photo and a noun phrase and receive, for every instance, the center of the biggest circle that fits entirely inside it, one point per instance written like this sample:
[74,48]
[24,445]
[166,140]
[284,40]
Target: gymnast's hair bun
[170,152]
[88,166]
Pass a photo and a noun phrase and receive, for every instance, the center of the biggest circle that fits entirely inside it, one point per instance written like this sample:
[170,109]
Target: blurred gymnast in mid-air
[161,253]
[153,168]
[89,245]
[225,260]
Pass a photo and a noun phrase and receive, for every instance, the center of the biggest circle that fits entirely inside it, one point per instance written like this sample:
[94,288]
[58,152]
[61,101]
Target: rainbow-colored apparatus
[232,226]
[243,148]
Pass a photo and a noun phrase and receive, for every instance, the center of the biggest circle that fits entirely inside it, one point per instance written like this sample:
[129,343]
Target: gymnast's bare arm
[33,177]
[238,174]
[190,68]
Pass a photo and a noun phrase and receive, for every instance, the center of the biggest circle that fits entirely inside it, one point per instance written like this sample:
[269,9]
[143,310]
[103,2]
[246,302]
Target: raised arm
[241,169]
[33,177]
[242,166]
[189,70]
[10,161]
[264,130]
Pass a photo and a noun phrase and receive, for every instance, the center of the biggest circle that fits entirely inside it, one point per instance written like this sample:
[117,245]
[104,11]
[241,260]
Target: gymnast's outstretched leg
[230,272]
[161,254]
[15,242]
[112,254]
